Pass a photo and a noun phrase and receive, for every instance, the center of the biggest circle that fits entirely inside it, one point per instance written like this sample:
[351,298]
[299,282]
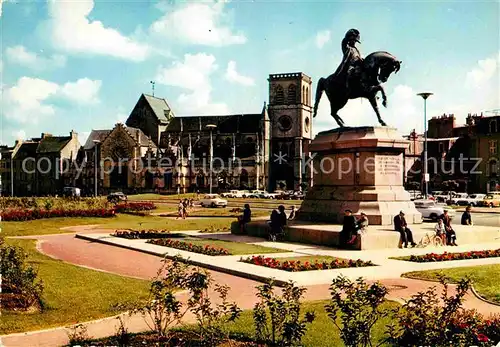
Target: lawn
[121,221]
[72,294]
[485,278]
[234,248]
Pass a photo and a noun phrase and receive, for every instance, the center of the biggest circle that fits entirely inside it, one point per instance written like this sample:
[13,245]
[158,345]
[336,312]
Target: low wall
[377,237]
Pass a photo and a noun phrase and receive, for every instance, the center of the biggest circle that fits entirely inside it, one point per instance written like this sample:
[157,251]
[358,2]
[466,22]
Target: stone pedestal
[361,169]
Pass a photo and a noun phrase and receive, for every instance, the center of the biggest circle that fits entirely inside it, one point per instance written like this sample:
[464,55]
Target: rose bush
[432,257]
[32,214]
[294,266]
[145,234]
[187,246]
[135,207]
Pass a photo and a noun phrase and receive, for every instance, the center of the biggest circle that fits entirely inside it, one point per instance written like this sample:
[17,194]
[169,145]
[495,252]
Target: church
[265,150]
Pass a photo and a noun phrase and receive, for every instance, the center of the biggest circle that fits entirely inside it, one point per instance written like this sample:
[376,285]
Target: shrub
[359,305]
[186,246]
[134,207]
[292,265]
[19,281]
[284,325]
[48,203]
[26,214]
[78,335]
[145,234]
[423,321]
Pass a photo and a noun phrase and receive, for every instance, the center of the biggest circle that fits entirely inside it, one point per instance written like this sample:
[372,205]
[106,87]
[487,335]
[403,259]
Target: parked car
[117,197]
[444,196]
[472,200]
[456,197]
[490,200]
[430,210]
[71,191]
[213,200]
[232,194]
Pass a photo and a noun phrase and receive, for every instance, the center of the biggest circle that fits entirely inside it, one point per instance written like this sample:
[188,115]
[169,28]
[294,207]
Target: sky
[82,65]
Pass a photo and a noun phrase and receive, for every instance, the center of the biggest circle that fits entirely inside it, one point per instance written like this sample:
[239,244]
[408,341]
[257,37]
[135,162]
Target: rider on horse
[352,61]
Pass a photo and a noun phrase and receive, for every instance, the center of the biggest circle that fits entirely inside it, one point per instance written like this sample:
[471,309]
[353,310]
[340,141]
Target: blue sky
[82,65]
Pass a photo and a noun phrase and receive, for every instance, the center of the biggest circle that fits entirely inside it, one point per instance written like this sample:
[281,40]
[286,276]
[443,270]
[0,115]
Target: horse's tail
[319,91]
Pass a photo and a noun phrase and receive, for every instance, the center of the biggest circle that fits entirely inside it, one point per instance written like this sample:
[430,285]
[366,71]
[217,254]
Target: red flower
[482,338]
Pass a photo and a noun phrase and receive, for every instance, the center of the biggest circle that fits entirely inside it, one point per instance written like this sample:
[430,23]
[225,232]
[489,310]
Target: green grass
[485,278]
[72,294]
[121,221]
[234,248]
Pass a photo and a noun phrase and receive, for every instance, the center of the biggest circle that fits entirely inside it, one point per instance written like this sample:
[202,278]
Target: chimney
[44,135]
[73,134]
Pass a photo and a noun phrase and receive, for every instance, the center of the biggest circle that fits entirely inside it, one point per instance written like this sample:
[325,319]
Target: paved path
[140,265]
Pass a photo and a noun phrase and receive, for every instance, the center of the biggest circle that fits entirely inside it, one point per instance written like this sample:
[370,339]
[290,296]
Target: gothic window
[307,96]
[493,167]
[284,123]
[493,126]
[493,146]
[307,124]
[279,96]
[292,94]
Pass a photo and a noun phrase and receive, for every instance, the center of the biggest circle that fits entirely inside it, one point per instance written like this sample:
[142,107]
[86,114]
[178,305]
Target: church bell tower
[290,114]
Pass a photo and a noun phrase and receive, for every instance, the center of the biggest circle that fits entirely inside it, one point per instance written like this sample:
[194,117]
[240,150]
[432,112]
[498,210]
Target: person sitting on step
[451,236]
[401,226]
[440,231]
[348,233]
[466,216]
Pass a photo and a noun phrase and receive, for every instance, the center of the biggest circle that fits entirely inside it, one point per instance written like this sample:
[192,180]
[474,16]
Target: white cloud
[233,76]
[483,72]
[73,32]
[83,91]
[29,100]
[322,38]
[201,23]
[20,55]
[193,75]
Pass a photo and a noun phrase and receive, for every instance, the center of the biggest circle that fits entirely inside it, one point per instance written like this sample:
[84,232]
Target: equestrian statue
[357,78]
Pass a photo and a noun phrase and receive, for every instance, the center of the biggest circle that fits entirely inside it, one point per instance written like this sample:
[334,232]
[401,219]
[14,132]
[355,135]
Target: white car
[430,210]
[456,197]
[472,200]
[213,200]
[232,194]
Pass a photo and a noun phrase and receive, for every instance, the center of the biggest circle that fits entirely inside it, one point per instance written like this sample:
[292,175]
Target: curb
[254,277]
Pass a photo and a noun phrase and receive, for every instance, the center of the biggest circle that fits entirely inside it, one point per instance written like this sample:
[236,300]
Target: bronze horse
[375,69]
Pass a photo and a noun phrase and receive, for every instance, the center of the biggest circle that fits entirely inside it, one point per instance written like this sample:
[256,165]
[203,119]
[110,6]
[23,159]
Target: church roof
[143,139]
[246,123]
[159,106]
[98,135]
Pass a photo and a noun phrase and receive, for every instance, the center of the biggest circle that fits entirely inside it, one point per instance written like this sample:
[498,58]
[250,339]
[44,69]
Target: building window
[279,96]
[292,94]
[493,146]
[493,126]
[304,100]
[493,167]
[307,96]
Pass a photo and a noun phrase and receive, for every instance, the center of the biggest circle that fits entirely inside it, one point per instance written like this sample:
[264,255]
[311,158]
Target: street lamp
[426,174]
[96,143]
[211,127]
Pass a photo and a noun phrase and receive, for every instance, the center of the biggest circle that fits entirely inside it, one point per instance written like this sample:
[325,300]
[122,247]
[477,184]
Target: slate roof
[99,135]
[159,106]
[143,139]
[52,144]
[246,123]
[26,150]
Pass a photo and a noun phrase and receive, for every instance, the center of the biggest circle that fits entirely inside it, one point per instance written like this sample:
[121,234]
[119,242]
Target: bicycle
[433,239]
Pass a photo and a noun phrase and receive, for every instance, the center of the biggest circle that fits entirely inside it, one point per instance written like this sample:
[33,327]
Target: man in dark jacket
[401,226]
[466,216]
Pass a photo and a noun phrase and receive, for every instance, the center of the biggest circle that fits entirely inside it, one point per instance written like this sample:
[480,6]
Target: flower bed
[295,266]
[186,246]
[135,207]
[145,234]
[212,230]
[31,214]
[433,257]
